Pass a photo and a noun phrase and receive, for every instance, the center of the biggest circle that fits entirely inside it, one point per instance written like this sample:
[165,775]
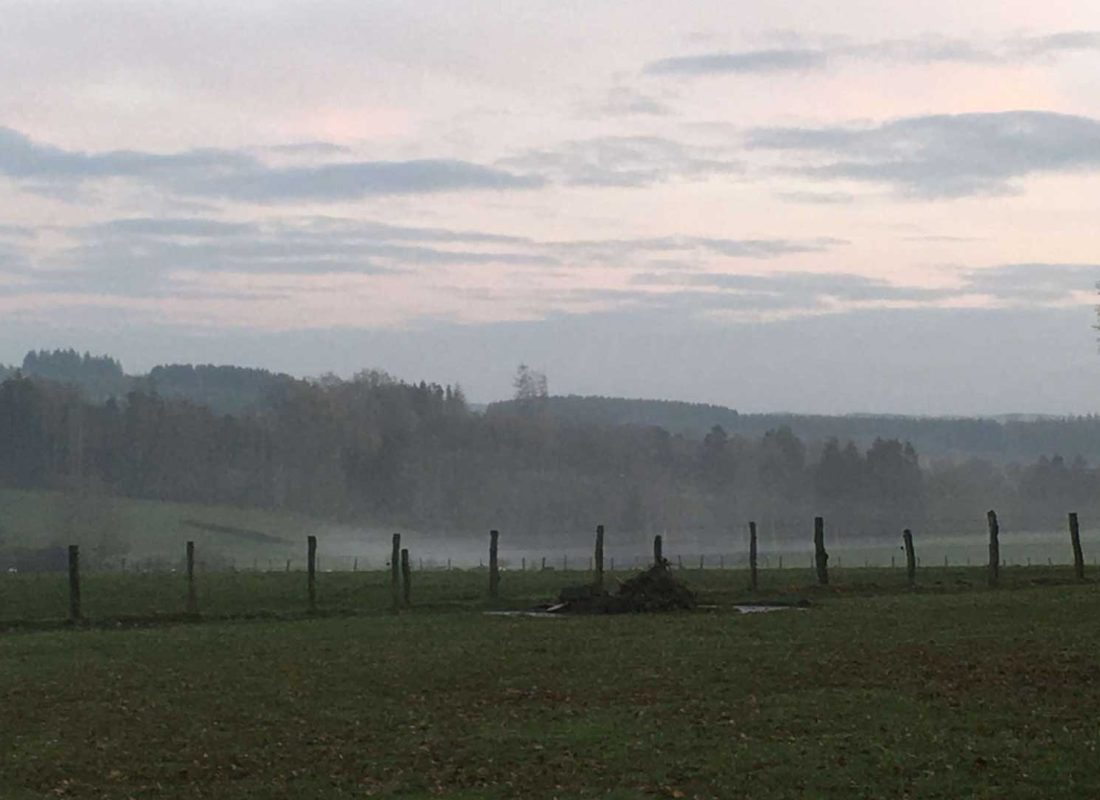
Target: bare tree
[529,384]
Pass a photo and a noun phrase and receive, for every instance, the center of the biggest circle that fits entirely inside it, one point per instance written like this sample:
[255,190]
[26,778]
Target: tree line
[1003,439]
[381,450]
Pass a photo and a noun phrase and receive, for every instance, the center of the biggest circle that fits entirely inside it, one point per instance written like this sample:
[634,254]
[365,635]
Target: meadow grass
[950,690]
[106,596]
[148,529]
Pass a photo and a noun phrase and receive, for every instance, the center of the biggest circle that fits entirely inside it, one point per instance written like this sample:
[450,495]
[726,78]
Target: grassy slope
[152,529]
[874,692]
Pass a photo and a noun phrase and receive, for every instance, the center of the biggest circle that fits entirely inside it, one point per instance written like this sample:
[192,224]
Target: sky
[844,206]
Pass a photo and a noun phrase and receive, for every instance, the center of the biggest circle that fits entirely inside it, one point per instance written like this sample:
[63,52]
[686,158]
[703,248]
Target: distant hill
[98,377]
[224,389]
[235,390]
[1009,438]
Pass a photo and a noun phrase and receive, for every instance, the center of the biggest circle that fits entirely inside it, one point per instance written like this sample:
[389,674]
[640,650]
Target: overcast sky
[853,205]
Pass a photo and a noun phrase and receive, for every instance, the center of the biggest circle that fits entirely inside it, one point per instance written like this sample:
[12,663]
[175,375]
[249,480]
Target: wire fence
[261,585]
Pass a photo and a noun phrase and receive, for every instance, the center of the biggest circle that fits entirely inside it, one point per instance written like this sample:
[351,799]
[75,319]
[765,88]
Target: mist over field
[247,462]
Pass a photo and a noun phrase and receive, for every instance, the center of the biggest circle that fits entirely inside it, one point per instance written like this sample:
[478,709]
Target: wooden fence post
[395,573]
[910,557]
[821,558]
[599,556]
[406,577]
[311,580]
[494,573]
[658,550]
[752,556]
[74,583]
[192,597]
[994,548]
[1075,540]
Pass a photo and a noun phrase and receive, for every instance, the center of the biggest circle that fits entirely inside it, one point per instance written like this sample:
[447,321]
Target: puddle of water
[766,609]
[541,614]
[549,612]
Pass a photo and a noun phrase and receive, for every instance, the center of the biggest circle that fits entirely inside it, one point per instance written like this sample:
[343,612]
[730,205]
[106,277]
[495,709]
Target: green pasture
[946,691]
[31,600]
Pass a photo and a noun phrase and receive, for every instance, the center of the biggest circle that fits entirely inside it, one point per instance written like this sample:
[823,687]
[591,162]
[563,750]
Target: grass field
[144,529]
[952,690]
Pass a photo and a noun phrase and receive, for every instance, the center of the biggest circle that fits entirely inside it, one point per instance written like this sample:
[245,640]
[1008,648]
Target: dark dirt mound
[653,590]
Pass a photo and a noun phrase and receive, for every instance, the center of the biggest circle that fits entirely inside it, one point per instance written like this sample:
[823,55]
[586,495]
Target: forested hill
[238,390]
[377,449]
[1003,440]
[223,389]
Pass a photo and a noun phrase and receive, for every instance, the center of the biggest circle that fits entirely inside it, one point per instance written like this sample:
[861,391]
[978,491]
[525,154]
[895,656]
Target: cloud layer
[923,50]
[239,176]
[624,161]
[149,256]
[943,155]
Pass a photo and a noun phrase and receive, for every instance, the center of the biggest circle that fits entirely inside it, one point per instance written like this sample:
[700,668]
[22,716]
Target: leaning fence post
[494,572]
[311,560]
[994,548]
[192,597]
[599,556]
[910,557]
[658,550]
[395,573]
[74,583]
[752,556]
[1075,540]
[406,577]
[821,558]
